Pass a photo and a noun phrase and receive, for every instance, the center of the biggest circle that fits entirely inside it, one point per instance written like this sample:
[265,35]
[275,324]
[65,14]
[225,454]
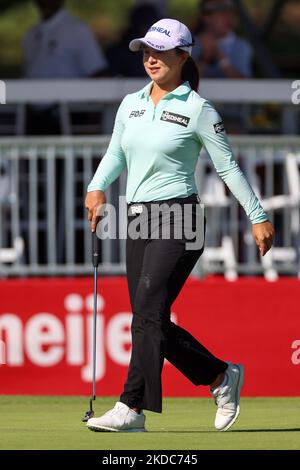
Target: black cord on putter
[95,259]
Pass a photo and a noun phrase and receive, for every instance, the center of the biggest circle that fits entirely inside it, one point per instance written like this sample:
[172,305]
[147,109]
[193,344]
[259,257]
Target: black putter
[95,257]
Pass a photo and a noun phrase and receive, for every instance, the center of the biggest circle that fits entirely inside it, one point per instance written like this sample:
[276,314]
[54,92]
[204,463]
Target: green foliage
[14,22]
[109,17]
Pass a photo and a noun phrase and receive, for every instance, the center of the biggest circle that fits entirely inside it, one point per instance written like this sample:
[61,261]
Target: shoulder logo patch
[219,127]
[175,118]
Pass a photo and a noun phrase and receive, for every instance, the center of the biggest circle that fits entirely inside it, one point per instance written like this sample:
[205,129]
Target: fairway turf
[186,423]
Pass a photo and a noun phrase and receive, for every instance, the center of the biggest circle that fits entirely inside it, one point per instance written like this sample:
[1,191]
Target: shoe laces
[221,396]
[113,411]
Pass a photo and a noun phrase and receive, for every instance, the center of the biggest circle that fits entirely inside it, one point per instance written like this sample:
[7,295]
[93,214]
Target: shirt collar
[182,89]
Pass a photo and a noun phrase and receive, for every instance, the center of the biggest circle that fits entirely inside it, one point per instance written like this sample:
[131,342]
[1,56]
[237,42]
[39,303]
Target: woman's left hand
[263,235]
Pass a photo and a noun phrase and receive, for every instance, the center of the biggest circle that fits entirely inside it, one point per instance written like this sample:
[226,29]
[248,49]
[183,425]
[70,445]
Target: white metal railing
[112,90]
[105,94]
[43,184]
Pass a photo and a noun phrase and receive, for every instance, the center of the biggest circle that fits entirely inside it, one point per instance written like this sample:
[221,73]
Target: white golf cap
[164,35]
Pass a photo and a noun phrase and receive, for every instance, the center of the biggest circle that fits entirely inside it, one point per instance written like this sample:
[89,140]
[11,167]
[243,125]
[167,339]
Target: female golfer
[158,134]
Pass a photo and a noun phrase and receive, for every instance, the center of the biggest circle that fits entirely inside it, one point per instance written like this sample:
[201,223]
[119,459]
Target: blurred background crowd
[228,26]
[71,39]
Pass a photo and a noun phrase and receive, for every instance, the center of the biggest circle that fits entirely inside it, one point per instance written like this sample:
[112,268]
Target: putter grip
[95,250]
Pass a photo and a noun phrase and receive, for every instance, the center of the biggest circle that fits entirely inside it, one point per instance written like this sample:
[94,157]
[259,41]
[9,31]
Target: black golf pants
[157,268]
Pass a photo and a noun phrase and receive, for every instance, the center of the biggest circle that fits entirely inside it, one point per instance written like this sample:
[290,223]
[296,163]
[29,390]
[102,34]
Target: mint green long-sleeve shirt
[160,146]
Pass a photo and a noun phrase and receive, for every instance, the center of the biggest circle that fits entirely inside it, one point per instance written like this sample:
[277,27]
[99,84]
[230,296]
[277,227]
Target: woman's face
[163,66]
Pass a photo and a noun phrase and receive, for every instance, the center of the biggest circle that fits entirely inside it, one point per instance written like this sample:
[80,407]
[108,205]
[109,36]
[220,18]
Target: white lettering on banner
[87,370]
[118,336]
[11,325]
[89,302]
[296,354]
[73,303]
[74,327]
[44,340]
[2,352]
[74,339]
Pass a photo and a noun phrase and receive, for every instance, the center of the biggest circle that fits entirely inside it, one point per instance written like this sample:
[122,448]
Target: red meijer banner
[46,334]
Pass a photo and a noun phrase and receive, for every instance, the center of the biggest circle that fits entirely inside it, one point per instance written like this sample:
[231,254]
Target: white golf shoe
[227,397]
[119,419]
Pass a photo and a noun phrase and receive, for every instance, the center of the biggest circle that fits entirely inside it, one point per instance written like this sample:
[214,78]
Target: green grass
[186,423]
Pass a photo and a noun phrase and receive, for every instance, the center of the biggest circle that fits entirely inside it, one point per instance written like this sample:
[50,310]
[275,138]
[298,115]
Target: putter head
[88,414]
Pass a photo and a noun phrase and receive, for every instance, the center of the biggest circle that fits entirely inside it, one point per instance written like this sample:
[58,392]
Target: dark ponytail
[190,72]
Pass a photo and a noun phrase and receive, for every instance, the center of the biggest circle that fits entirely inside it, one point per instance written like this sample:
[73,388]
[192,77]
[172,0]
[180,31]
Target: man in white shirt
[61,46]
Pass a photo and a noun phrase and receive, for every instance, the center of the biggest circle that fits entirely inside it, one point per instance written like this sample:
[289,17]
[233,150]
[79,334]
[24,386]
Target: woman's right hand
[95,203]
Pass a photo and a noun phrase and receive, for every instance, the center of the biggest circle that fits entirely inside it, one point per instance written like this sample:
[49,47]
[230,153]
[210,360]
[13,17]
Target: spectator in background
[218,51]
[121,60]
[60,46]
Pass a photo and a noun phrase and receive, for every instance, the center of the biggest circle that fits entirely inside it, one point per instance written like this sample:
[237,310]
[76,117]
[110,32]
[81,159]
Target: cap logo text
[155,46]
[160,30]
